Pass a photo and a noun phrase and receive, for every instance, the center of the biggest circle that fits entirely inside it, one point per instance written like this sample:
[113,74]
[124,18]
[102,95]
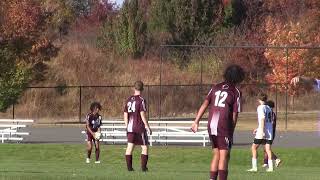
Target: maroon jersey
[224,99]
[133,106]
[95,121]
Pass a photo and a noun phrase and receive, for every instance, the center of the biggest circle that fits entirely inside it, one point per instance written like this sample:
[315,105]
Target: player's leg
[274,156]
[223,164]
[254,152]
[214,164]
[129,150]
[265,158]
[276,159]
[215,158]
[89,150]
[269,152]
[144,157]
[144,151]
[224,146]
[97,147]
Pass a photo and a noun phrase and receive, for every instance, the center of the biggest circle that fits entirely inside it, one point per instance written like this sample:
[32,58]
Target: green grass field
[55,161]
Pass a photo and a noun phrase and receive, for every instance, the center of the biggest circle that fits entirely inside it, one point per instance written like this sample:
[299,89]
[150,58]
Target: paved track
[63,134]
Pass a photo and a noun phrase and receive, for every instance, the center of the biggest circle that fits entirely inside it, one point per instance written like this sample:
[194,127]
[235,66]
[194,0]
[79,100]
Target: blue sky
[119,2]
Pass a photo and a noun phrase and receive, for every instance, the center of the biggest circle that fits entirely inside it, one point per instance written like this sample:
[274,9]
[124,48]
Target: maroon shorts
[138,138]
[90,137]
[221,142]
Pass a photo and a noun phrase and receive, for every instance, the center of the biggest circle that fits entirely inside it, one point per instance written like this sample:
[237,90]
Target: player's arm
[234,119]
[145,121]
[125,117]
[303,80]
[88,128]
[236,109]
[200,113]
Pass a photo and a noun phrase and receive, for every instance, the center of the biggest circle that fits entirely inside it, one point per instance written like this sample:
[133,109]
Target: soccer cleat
[269,170]
[131,169]
[87,160]
[97,162]
[265,165]
[252,170]
[144,169]
[278,162]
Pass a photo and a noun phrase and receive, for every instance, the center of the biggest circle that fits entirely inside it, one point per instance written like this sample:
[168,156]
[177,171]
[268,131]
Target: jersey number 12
[221,97]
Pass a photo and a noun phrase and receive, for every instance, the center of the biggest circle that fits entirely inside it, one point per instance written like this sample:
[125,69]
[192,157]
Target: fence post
[160,87]
[201,76]
[13,110]
[148,102]
[277,100]
[287,68]
[80,103]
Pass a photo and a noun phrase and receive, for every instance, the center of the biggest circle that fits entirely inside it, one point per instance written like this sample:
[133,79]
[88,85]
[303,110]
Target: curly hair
[234,74]
[95,105]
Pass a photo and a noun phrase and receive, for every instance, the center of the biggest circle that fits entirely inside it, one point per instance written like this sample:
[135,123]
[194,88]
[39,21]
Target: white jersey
[265,112]
[317,85]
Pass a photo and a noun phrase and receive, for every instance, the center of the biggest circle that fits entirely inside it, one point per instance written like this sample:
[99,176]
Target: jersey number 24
[131,106]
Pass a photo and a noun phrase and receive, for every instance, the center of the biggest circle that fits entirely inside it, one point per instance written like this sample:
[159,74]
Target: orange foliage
[292,23]
[21,19]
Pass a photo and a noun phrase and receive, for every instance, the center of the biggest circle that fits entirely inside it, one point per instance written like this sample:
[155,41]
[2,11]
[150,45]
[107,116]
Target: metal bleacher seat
[11,129]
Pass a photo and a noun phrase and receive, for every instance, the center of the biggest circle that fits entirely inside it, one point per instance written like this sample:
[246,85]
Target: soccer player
[306,81]
[274,124]
[224,101]
[137,126]
[264,133]
[93,123]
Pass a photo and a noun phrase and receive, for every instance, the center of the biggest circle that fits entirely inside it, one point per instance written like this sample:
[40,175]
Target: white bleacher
[11,129]
[163,132]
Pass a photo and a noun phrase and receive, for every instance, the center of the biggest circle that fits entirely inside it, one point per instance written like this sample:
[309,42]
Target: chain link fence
[180,90]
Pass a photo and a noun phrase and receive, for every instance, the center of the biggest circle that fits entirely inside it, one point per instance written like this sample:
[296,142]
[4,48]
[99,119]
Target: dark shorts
[262,141]
[138,138]
[221,142]
[90,137]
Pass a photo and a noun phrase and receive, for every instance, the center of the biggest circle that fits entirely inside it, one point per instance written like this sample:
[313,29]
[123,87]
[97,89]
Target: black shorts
[262,141]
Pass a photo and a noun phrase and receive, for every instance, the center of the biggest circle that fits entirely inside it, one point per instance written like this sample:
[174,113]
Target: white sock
[270,164]
[254,163]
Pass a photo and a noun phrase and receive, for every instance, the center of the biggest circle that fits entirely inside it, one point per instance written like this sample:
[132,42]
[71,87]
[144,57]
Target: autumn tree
[284,29]
[27,31]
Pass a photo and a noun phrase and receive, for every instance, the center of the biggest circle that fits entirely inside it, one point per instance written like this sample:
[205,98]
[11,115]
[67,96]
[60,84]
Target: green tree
[13,78]
[186,22]
[126,33]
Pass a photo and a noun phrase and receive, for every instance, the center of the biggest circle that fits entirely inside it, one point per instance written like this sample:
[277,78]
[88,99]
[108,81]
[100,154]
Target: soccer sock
[144,161]
[223,174]
[213,175]
[254,163]
[265,160]
[270,164]
[89,154]
[274,156]
[129,162]
[97,154]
